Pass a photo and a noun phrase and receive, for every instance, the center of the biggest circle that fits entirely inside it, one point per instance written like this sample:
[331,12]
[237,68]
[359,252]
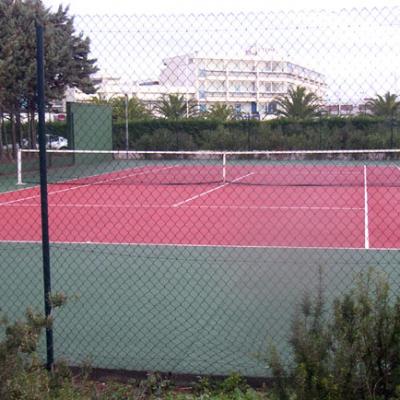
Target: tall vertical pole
[186,85]
[126,122]
[43,190]
[248,130]
[391,129]
[19,167]
[224,168]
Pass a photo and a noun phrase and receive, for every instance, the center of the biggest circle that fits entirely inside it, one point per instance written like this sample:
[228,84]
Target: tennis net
[270,168]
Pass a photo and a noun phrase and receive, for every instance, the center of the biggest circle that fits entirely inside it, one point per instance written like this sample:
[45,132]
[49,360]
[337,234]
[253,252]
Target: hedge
[359,132]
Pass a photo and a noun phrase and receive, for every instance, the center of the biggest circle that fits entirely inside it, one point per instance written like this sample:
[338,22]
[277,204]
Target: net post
[223,167]
[19,167]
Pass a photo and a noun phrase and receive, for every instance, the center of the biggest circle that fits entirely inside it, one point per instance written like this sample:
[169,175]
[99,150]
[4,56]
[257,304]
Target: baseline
[229,246]
[233,207]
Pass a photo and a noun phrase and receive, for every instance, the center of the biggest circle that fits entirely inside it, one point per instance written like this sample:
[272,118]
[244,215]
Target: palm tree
[99,99]
[175,106]
[221,111]
[384,106]
[136,109]
[298,103]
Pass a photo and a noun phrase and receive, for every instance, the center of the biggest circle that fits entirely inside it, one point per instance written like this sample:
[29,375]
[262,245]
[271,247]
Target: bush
[165,140]
[351,353]
[223,139]
[360,132]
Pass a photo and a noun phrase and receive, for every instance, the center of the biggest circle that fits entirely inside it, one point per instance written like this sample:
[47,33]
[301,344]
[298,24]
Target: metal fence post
[43,189]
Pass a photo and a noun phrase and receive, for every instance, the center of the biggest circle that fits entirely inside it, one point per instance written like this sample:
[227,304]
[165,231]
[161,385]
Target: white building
[250,83]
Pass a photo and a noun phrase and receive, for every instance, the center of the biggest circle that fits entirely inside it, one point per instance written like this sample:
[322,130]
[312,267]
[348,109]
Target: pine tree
[67,60]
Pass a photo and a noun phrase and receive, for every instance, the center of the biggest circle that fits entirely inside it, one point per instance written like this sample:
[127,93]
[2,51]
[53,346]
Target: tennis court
[279,205]
[195,264]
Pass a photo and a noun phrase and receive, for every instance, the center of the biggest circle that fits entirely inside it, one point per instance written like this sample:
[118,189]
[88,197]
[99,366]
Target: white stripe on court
[233,207]
[82,186]
[211,190]
[396,166]
[227,246]
[366,222]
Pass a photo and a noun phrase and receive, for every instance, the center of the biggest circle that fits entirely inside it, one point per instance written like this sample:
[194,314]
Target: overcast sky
[352,43]
[199,6]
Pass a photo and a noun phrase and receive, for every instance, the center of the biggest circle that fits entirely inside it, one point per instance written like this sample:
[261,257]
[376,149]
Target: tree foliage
[175,106]
[351,352]
[136,109]
[298,103]
[221,112]
[67,60]
[384,106]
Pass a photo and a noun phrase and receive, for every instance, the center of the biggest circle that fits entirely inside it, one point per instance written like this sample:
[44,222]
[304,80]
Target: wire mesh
[218,164]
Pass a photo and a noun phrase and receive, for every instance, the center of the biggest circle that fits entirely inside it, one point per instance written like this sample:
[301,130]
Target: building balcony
[291,76]
[245,76]
[243,93]
[212,77]
[212,95]
[266,95]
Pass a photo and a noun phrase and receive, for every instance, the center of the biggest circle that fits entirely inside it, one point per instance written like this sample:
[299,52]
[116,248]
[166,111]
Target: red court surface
[354,216]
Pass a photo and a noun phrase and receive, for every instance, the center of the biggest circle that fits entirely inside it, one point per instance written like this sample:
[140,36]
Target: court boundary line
[135,206]
[210,191]
[366,216]
[82,186]
[202,245]
[37,185]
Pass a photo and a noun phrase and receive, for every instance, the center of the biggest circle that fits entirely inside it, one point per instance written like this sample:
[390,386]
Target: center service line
[366,222]
[211,190]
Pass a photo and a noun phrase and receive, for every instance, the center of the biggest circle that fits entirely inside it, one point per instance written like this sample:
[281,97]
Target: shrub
[279,134]
[166,140]
[351,353]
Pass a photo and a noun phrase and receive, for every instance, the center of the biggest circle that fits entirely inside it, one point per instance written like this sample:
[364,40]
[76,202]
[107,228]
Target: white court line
[211,190]
[366,222]
[396,166]
[82,186]
[126,206]
[67,181]
[228,246]
[279,207]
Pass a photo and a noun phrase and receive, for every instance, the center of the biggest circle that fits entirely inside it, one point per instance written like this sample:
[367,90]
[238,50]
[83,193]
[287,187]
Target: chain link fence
[205,171]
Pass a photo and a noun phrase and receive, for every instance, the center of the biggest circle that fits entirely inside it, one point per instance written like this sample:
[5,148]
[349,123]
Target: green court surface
[187,309]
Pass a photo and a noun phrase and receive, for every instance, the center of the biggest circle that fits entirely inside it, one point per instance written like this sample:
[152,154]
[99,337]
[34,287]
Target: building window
[268,87]
[238,108]
[277,66]
[202,73]
[270,108]
[203,108]
[267,67]
[277,87]
[202,94]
